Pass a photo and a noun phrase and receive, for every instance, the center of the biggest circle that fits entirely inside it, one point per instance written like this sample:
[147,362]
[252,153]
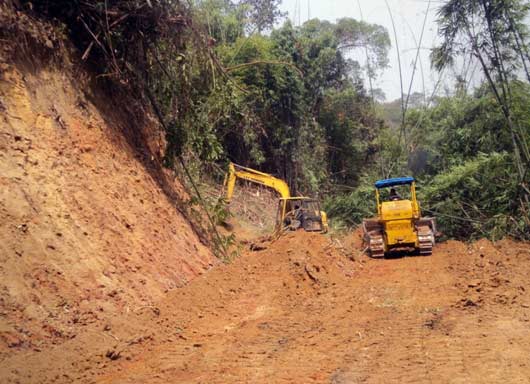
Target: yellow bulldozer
[293,212]
[398,225]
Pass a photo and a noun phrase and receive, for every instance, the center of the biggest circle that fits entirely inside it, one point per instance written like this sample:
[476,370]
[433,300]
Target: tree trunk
[504,107]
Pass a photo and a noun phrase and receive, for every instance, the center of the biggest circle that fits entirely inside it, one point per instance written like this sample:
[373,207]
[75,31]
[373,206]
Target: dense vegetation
[232,80]
[460,151]
[469,150]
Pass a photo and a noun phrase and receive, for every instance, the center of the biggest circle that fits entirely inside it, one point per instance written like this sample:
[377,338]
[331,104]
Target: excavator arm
[238,172]
[284,209]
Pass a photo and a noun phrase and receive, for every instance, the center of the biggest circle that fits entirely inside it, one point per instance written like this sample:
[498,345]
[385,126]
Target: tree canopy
[234,80]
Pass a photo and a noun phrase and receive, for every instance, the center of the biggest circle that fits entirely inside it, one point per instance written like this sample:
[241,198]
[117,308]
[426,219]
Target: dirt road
[300,312]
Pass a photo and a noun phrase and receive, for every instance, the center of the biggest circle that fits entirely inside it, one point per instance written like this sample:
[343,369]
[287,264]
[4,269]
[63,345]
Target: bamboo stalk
[400,71]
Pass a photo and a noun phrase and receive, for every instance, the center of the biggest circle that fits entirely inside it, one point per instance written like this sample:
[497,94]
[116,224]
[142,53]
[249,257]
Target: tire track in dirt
[301,312]
[409,320]
[401,351]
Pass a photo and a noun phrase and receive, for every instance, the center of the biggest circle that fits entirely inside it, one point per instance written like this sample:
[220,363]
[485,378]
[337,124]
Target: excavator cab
[399,225]
[301,212]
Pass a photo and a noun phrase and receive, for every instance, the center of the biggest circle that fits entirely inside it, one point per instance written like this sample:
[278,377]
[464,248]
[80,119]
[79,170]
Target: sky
[408,17]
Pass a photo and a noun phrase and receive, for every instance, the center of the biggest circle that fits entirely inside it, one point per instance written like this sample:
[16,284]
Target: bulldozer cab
[300,212]
[394,206]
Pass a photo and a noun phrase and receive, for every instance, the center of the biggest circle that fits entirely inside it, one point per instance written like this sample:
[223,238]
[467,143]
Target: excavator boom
[293,212]
[237,171]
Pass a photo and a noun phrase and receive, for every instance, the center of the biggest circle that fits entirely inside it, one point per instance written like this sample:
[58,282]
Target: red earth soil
[309,309]
[88,228]
[301,312]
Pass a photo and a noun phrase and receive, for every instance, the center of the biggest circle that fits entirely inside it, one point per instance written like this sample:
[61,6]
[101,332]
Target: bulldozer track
[425,248]
[426,240]
[376,245]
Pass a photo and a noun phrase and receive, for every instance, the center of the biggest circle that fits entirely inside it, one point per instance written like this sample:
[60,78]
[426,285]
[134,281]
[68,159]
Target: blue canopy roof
[394,181]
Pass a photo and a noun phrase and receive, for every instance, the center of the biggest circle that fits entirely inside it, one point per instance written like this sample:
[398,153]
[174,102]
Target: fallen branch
[94,36]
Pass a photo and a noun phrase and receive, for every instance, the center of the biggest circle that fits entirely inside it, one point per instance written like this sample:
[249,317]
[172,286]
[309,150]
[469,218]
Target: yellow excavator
[399,225]
[293,212]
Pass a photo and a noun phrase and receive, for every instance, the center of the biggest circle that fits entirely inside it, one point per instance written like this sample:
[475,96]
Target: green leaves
[476,198]
[285,79]
[352,208]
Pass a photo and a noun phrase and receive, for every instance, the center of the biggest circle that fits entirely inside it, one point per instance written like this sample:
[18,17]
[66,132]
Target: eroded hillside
[89,221]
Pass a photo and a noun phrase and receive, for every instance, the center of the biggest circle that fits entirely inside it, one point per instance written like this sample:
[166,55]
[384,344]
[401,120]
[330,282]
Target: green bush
[479,198]
[352,208]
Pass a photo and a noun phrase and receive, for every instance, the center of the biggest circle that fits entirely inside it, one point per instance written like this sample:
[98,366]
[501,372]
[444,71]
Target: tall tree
[489,31]
[290,79]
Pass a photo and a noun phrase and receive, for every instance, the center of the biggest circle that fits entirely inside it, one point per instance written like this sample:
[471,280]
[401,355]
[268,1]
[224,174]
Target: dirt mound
[301,312]
[89,228]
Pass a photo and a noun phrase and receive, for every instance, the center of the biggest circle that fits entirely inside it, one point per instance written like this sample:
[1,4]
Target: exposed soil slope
[88,223]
